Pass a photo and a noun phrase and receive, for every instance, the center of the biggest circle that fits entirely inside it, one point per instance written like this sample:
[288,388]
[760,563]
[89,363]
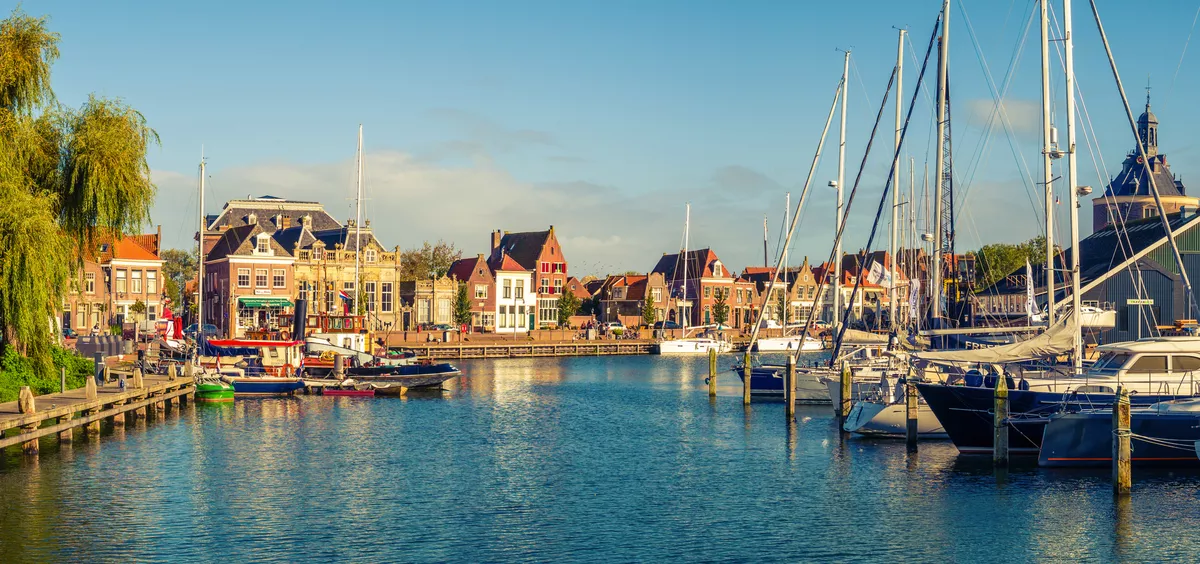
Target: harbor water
[602,459]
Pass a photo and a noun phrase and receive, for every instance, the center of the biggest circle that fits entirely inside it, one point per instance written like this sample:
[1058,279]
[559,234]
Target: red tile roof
[503,262]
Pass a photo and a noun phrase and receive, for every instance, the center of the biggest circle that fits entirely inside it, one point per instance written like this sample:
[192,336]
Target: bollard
[339,366]
[1121,476]
[62,380]
[107,374]
[712,373]
[910,415]
[746,378]
[26,404]
[843,405]
[138,379]
[1000,422]
[789,387]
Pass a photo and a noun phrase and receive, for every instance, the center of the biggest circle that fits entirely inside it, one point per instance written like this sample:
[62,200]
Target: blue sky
[601,118]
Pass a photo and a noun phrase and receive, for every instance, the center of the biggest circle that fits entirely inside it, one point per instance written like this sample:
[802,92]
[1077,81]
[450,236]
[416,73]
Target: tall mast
[766,261]
[912,230]
[935,285]
[687,219]
[200,257]
[1047,174]
[787,220]
[358,222]
[896,180]
[1072,180]
[841,178]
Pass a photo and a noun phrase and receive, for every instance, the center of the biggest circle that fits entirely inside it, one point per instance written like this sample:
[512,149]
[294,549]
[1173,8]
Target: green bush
[17,371]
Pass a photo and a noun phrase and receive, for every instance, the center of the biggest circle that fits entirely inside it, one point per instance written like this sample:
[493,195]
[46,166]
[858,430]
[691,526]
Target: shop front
[259,316]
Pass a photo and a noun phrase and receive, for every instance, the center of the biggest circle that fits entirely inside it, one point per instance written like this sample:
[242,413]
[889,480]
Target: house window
[151,312]
[152,283]
[520,289]
[708,292]
[243,278]
[618,293]
[481,291]
[503,315]
[89,283]
[264,244]
[260,278]
[348,288]
[386,295]
[717,269]
[507,289]
[422,311]
[302,290]
[558,286]
[302,255]
[331,255]
[369,254]
[548,310]
[329,297]
[95,315]
[546,285]
[656,295]
[278,278]
[80,316]
[443,310]
[135,281]
[369,289]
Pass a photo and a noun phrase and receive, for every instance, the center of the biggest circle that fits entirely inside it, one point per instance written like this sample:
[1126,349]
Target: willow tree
[68,176]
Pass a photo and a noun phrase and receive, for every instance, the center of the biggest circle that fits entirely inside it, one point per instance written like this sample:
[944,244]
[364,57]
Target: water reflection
[592,458]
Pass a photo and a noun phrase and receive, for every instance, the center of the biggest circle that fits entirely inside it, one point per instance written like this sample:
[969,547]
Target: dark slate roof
[294,238]
[525,248]
[698,264]
[1133,181]
[265,208]
[345,237]
[464,269]
[240,241]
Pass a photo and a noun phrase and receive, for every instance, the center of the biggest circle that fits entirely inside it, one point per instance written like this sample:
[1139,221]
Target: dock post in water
[1121,476]
[139,383]
[26,405]
[746,378]
[789,387]
[1000,423]
[712,373]
[910,415]
[339,366]
[843,405]
[90,392]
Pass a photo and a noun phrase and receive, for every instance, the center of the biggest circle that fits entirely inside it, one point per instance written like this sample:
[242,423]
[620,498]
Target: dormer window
[264,245]
[717,269]
[369,255]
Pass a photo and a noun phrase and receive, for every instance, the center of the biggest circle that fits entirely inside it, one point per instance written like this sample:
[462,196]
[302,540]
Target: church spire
[1148,128]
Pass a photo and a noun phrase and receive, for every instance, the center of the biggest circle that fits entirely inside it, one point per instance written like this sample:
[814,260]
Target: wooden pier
[532,349]
[24,421]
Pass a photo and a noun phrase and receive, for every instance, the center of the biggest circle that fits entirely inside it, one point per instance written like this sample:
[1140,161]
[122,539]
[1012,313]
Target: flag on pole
[1030,304]
[346,299]
[914,292]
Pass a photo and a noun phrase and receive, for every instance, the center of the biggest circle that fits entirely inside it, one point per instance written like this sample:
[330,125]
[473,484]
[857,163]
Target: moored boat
[1163,434]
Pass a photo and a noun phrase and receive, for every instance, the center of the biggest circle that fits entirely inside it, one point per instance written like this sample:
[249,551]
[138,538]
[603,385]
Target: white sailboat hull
[876,419]
[789,344]
[693,346]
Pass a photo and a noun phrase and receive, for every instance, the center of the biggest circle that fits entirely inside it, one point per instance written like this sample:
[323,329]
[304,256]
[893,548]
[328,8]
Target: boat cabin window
[1111,361]
[1149,363]
[1093,390]
[1180,363]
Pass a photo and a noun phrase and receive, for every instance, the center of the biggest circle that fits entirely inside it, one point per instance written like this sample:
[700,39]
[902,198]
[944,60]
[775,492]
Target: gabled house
[481,286]
[623,296]
[707,284]
[248,282]
[539,253]
[516,303]
[118,274]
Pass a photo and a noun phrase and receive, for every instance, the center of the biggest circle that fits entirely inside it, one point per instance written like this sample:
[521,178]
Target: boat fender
[285,335]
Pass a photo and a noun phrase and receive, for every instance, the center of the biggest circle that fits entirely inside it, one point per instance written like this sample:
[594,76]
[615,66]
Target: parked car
[210,330]
[610,325]
[444,327]
[666,325]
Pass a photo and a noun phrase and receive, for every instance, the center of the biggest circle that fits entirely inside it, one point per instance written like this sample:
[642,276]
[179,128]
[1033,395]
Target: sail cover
[856,337]
[1055,341]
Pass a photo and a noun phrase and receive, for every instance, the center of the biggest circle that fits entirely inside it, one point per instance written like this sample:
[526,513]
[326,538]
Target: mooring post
[1000,422]
[712,373]
[1122,477]
[910,415]
[66,435]
[789,387]
[62,380]
[844,402]
[27,405]
[98,366]
[746,378]
[90,392]
[339,366]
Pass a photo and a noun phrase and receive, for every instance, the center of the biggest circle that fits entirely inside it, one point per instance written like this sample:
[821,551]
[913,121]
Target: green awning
[260,301]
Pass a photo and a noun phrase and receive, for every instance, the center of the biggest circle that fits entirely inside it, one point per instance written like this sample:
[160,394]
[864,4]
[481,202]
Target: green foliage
[178,265]
[649,315]
[138,307]
[171,289]
[17,370]
[995,261]
[781,306]
[568,305]
[429,261]
[721,308]
[462,305]
[66,177]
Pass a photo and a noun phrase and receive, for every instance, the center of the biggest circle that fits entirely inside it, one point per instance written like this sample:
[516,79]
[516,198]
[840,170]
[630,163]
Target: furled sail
[1055,341]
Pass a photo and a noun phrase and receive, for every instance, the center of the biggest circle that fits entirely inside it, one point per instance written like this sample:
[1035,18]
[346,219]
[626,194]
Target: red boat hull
[337,392]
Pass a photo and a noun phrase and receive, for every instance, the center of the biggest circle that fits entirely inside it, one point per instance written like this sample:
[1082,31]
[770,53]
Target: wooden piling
[844,402]
[339,366]
[910,415]
[746,378]
[107,374]
[1122,477]
[69,434]
[712,373]
[118,419]
[789,387]
[1000,422]
[27,405]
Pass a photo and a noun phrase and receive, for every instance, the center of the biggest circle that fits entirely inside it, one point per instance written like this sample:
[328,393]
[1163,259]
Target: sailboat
[689,345]
[787,343]
[209,386]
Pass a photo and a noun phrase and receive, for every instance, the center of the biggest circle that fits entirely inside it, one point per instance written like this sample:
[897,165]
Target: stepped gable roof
[236,213]
[344,236]
[525,247]
[294,238]
[464,269]
[502,262]
[699,263]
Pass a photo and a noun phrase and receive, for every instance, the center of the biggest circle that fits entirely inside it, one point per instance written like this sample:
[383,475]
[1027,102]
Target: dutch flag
[342,294]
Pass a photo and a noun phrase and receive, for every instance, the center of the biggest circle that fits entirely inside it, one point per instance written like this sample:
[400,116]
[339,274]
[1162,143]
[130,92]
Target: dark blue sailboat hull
[1085,439]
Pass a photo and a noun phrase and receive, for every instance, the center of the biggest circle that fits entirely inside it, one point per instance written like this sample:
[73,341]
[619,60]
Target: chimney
[496,236]
[158,241]
[306,221]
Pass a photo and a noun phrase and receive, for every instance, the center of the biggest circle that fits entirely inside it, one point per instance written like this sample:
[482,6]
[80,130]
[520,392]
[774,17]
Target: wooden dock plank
[51,406]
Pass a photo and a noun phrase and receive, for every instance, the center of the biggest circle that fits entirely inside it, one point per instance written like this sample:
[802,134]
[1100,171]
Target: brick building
[539,253]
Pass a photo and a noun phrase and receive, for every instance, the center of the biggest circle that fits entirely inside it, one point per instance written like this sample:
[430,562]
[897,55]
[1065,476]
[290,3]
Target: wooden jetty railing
[86,407]
[533,349]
